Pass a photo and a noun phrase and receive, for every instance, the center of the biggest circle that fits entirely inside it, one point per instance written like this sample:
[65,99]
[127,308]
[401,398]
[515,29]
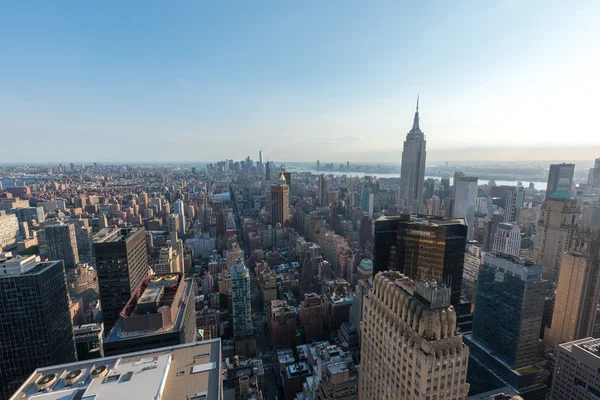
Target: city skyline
[300,200]
[329,287]
[337,94]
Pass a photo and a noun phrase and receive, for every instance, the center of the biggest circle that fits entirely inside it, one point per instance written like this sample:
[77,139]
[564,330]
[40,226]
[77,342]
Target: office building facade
[590,216]
[577,293]
[425,247]
[35,322]
[473,258]
[513,202]
[62,243]
[356,311]
[241,300]
[576,370]
[465,200]
[410,345]
[509,328]
[322,190]
[506,325]
[179,210]
[555,230]
[122,265]
[279,204]
[507,239]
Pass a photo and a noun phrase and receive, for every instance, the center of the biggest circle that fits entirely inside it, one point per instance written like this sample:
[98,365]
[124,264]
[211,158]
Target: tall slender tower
[465,199]
[241,298]
[280,202]
[180,211]
[577,293]
[413,167]
[555,230]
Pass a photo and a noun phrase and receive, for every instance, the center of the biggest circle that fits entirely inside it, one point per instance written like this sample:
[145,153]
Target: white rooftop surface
[337,367]
[146,382]
[178,372]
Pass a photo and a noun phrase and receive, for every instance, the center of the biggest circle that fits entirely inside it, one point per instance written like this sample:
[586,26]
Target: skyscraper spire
[410,196]
[415,127]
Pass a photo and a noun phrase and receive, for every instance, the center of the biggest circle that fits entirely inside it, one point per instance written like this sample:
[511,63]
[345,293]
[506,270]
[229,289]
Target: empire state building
[413,168]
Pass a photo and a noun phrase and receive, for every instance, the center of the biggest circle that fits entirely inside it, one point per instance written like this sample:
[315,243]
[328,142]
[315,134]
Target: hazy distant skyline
[335,81]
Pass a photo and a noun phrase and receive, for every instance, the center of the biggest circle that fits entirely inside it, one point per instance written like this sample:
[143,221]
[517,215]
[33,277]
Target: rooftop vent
[46,381]
[99,371]
[73,376]
[112,378]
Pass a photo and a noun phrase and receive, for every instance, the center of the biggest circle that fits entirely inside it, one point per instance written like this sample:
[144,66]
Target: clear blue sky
[304,80]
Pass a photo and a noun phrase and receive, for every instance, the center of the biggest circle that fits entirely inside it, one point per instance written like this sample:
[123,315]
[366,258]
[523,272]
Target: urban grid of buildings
[249,280]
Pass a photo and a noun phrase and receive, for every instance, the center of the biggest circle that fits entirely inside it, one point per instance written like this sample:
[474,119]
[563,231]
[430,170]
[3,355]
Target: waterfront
[538,185]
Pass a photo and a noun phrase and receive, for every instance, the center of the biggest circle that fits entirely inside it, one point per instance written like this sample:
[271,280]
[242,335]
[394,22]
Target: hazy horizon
[580,164]
[111,82]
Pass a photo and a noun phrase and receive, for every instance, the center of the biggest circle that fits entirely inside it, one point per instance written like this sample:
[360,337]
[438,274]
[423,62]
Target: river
[538,185]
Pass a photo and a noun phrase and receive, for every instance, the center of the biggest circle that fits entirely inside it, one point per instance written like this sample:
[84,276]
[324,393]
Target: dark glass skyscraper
[426,247]
[510,304]
[560,177]
[506,326]
[35,322]
[122,265]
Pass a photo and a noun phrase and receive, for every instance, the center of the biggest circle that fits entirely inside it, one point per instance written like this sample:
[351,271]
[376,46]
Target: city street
[263,344]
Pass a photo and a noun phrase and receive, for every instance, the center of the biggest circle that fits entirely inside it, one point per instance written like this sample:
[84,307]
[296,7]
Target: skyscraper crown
[415,127]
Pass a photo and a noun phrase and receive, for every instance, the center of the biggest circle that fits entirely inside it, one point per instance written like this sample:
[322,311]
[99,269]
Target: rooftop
[297,369]
[517,266]
[423,219]
[588,345]
[184,372]
[111,235]
[562,195]
[156,307]
[16,265]
[285,356]
[31,268]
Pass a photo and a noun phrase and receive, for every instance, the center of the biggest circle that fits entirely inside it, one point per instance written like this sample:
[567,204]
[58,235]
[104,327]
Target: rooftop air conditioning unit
[46,382]
[73,376]
[99,371]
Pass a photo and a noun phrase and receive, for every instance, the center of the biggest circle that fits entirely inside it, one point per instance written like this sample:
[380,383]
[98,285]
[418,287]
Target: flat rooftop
[423,219]
[190,371]
[112,235]
[38,269]
[588,345]
[158,297]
